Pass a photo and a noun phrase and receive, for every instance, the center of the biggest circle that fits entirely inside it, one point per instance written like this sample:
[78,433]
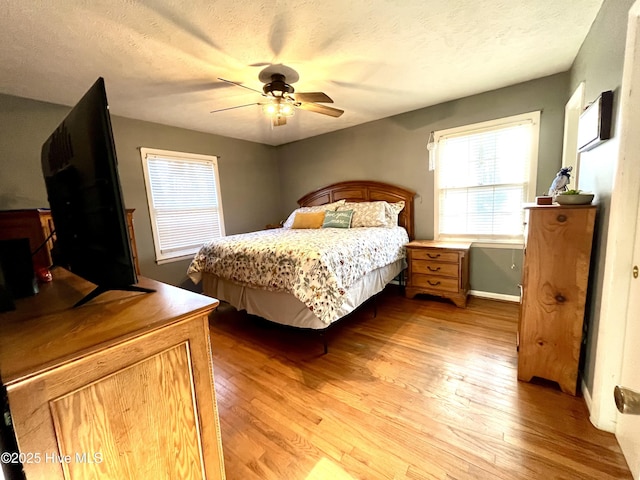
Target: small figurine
[561,181]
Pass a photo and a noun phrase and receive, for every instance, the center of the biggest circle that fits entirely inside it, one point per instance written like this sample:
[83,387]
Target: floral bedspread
[315,265]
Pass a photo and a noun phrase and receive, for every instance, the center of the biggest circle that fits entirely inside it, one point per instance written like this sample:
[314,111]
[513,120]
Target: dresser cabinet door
[140,410]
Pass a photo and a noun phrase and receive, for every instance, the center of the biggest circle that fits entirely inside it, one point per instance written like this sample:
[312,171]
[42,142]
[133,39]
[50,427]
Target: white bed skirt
[284,308]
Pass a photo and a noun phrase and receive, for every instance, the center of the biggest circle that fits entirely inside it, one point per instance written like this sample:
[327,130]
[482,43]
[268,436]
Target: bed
[260,272]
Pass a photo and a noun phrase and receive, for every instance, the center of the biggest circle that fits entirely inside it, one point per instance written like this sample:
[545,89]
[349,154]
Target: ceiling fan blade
[314,107]
[243,86]
[314,97]
[279,121]
[233,108]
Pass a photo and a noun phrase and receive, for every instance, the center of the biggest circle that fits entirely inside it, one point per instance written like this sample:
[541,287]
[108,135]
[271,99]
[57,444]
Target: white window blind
[184,201]
[484,174]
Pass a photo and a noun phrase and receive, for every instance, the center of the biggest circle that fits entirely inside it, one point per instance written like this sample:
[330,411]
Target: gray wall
[249,180]
[599,64]
[394,150]
[23,124]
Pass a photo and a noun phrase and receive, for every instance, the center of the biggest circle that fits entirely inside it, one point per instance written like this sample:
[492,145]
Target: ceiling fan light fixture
[270,109]
[278,108]
[286,109]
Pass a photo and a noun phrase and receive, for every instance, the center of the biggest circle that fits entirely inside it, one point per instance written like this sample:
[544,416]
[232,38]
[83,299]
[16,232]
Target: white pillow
[392,210]
[316,208]
[366,214]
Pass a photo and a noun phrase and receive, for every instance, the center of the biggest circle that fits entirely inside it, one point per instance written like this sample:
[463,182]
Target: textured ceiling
[374,58]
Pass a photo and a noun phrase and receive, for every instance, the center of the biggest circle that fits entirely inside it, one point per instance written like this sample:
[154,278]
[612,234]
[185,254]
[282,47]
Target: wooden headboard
[365,191]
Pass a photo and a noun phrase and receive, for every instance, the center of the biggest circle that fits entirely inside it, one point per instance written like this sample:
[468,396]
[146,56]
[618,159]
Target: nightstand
[438,268]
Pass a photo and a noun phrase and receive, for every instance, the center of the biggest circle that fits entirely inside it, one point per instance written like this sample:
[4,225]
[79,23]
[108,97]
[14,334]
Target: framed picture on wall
[594,126]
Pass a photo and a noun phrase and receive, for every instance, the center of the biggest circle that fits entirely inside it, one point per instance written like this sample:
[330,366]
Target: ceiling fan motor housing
[277,87]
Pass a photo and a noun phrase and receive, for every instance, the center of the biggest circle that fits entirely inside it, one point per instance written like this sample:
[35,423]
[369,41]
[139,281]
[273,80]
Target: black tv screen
[81,176]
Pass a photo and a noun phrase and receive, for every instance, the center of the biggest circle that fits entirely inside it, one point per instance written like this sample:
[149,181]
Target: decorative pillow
[316,208]
[340,219]
[392,210]
[366,214]
[308,220]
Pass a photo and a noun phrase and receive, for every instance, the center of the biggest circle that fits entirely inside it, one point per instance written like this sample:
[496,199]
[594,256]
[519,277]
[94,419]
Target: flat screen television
[80,170]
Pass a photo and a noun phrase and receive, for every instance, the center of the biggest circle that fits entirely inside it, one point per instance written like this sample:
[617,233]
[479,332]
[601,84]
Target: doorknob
[627,400]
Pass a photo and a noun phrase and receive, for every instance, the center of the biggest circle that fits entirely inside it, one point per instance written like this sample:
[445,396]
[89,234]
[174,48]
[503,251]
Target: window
[183,190]
[484,174]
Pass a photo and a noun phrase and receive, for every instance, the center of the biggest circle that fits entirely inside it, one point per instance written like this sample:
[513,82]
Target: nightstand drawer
[433,282]
[434,254]
[435,268]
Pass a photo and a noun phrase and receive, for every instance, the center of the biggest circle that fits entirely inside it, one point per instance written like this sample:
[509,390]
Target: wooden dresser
[36,224]
[121,387]
[438,268]
[555,276]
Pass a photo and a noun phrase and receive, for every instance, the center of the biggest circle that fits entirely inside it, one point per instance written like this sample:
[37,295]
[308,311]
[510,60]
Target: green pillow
[341,219]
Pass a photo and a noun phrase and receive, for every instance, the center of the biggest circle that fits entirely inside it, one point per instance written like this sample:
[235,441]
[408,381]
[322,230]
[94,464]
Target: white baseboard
[586,394]
[495,296]
[477,293]
[605,424]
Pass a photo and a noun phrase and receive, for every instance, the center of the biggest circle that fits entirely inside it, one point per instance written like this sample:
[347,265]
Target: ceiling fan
[281,100]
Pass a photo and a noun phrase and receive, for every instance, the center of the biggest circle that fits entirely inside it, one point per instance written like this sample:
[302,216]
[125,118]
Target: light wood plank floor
[425,390]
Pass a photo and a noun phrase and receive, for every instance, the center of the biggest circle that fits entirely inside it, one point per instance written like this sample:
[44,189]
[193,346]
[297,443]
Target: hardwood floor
[424,390]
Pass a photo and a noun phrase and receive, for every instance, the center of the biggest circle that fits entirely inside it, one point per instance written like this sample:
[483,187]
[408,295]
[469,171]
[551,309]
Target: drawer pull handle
[562,218]
[560,298]
[433,284]
[431,255]
[431,269]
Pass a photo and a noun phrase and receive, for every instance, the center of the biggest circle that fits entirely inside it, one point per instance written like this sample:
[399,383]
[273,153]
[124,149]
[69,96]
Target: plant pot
[576,199]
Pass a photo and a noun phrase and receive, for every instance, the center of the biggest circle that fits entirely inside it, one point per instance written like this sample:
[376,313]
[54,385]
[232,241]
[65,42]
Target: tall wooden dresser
[36,224]
[121,387]
[555,277]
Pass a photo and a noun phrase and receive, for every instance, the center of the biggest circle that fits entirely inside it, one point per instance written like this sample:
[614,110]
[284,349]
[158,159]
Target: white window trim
[530,117]
[163,258]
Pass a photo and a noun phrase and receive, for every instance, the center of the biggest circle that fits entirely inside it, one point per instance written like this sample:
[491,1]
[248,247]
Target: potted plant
[574,197]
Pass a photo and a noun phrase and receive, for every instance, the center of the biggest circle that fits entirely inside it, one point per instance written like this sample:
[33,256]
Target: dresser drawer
[434,254]
[435,268]
[433,282]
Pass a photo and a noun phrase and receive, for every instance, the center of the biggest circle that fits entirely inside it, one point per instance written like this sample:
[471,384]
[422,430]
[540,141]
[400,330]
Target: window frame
[472,129]
[186,253]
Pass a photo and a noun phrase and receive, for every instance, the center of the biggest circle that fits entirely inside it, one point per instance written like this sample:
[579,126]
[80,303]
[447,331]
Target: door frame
[623,217]
[570,155]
